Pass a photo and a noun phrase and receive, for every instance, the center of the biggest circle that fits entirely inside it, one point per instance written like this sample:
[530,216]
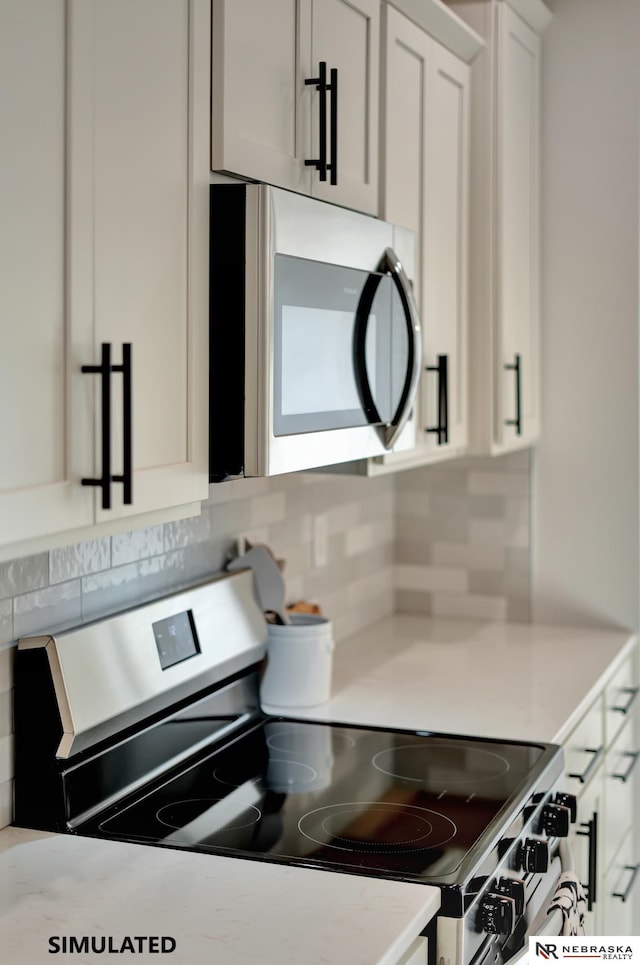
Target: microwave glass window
[315,309]
[317,364]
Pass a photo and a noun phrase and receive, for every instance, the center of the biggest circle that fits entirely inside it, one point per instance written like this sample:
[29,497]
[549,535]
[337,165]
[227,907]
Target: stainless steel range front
[146,728]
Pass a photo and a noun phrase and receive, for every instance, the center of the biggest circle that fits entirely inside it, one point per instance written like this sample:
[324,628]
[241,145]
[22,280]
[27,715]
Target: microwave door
[405,349]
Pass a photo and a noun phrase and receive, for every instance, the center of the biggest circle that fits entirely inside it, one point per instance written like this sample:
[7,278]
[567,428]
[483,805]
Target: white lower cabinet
[620,889]
[601,755]
[104,199]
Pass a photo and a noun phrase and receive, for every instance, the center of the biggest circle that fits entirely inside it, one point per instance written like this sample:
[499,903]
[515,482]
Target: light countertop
[219,911]
[517,681]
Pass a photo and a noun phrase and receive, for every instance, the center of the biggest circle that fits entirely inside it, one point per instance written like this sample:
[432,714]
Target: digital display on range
[176,639]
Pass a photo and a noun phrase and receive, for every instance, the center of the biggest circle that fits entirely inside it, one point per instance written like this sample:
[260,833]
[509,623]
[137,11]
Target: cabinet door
[346,35]
[139,201]
[44,428]
[261,58]
[620,890]
[518,198]
[425,189]
[585,842]
[445,232]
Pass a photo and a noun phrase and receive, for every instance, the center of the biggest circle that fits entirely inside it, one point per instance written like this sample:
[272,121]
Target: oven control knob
[496,914]
[533,856]
[512,888]
[555,820]
[568,801]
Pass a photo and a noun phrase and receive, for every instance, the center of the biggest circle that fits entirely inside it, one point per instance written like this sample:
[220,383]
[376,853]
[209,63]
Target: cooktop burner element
[398,827]
[441,765]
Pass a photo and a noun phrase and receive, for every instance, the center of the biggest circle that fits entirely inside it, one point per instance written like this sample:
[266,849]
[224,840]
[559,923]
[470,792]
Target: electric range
[146,727]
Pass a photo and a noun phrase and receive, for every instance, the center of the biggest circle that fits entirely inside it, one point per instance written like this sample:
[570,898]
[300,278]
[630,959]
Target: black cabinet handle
[442,428]
[320,83]
[633,755]
[333,88]
[591,833]
[625,708]
[597,754]
[127,430]
[104,370]
[515,366]
[624,895]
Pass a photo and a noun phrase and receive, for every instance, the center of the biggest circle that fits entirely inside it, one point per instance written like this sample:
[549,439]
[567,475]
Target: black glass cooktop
[394,803]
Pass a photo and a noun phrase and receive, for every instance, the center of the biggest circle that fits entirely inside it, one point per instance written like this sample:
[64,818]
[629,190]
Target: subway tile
[23,575]
[267,509]
[294,588]
[519,610]
[483,532]
[414,551]
[450,505]
[468,606]
[6,621]
[341,517]
[413,504]
[468,555]
[433,529]
[486,506]
[6,713]
[362,617]
[412,601]
[142,543]
[185,532]
[6,759]
[430,578]
[433,479]
[6,804]
[487,583]
[499,484]
[363,589]
[124,586]
[6,668]
[48,610]
[518,559]
[80,559]
[229,519]
[360,539]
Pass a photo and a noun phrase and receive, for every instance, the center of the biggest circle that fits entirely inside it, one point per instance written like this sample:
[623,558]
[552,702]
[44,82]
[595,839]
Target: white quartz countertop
[518,681]
[219,911]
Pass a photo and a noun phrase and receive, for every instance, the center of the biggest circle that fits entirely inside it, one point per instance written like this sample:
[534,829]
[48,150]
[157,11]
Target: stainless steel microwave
[315,341]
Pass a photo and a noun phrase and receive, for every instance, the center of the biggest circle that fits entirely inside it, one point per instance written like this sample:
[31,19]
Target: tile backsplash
[450,540]
[463,539]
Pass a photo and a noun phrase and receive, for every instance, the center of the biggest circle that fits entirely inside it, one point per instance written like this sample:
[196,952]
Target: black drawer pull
[625,708]
[623,895]
[516,367]
[633,755]
[591,833]
[333,88]
[597,754]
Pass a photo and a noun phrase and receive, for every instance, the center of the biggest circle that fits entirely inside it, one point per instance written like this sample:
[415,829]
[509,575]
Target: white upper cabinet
[424,179]
[45,417]
[295,96]
[104,237]
[505,233]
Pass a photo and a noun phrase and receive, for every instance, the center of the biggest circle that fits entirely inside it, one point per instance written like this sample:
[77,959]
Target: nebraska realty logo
[606,949]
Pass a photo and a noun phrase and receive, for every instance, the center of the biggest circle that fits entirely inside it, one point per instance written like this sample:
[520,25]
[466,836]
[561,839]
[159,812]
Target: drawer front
[584,749]
[620,772]
[620,699]
[620,891]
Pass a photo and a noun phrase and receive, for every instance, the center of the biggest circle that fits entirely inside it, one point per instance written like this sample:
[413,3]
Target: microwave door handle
[392,265]
[363,313]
